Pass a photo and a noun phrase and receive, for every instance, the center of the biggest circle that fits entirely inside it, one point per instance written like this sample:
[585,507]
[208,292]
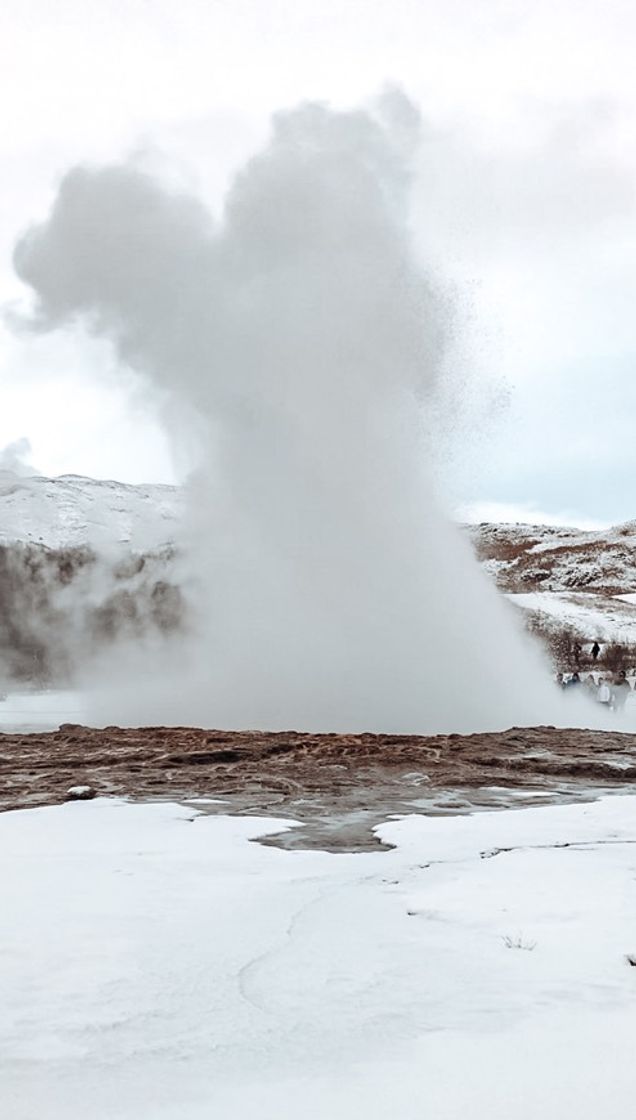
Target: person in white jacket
[620,691]
[603,694]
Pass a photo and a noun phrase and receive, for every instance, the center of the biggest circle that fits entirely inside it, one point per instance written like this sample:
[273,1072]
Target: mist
[295,347]
[14,461]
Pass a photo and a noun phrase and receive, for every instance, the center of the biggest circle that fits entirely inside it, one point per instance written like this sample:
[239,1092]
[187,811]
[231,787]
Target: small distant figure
[620,691]
[595,650]
[574,681]
[603,695]
[589,684]
[578,650]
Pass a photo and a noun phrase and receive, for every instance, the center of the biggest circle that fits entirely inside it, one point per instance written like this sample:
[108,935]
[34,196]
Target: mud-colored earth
[337,786]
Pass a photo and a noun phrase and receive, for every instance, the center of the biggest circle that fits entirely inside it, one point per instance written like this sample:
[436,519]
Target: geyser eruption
[296,343]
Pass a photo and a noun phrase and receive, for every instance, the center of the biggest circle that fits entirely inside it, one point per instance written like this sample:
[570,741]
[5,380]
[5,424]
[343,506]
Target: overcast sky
[524,199]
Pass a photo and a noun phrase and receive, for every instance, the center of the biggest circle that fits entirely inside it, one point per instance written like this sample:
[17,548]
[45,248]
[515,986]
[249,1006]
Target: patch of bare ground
[337,786]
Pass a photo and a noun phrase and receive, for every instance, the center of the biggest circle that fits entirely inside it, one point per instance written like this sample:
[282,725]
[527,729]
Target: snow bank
[158,964]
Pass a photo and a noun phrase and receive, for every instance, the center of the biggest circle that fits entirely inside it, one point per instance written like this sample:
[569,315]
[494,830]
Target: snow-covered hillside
[102,553]
[565,578]
[71,512]
[82,563]
[544,558]
[595,617]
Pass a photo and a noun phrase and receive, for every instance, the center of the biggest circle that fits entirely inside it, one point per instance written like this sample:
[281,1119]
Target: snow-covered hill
[82,563]
[565,578]
[544,558]
[71,512]
[99,557]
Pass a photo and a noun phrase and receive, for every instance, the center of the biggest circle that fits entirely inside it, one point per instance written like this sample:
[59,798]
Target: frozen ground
[159,966]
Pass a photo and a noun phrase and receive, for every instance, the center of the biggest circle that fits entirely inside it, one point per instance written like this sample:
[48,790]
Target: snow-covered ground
[159,966]
[603,618]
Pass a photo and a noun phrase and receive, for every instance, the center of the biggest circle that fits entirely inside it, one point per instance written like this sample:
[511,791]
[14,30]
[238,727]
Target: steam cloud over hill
[297,343]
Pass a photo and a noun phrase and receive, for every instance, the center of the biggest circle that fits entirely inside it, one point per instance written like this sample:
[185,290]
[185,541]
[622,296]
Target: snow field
[609,620]
[157,964]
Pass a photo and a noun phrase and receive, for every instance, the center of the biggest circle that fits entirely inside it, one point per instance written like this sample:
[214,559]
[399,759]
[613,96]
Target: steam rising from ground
[14,461]
[296,343]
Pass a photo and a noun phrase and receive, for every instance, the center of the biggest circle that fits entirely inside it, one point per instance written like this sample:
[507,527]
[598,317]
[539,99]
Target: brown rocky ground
[337,786]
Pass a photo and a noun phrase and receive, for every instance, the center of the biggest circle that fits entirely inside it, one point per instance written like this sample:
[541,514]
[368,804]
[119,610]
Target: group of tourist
[611,689]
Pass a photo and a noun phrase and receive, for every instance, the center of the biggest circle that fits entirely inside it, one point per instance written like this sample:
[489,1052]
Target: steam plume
[297,341]
[14,461]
